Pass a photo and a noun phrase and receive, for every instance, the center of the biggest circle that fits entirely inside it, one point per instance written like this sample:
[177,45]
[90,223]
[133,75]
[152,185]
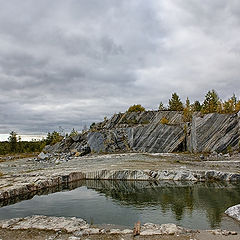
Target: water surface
[196,206]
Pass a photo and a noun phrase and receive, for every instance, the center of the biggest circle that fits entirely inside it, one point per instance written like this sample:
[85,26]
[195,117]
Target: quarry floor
[132,161]
[23,171]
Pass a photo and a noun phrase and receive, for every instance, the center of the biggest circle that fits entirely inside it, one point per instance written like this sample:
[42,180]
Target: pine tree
[161,106]
[210,103]
[13,141]
[175,103]
[196,107]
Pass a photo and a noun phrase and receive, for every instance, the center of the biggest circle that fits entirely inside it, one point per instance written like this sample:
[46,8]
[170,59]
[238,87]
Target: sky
[71,63]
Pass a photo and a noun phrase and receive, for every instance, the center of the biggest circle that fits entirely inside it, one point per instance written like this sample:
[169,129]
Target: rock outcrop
[234,212]
[214,132]
[174,175]
[146,132]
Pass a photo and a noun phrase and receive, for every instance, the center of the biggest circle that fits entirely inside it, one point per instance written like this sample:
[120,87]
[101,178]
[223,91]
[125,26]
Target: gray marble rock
[234,212]
[157,138]
[214,132]
[144,132]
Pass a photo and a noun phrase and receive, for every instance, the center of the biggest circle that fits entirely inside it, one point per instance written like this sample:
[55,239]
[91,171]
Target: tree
[136,108]
[211,102]
[230,106]
[161,107]
[53,138]
[237,108]
[13,141]
[196,107]
[73,133]
[175,103]
[187,111]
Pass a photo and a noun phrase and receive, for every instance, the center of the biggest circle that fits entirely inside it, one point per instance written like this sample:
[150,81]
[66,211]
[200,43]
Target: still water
[196,206]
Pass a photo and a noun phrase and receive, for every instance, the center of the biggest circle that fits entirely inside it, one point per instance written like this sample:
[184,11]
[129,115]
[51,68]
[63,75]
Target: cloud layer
[69,63]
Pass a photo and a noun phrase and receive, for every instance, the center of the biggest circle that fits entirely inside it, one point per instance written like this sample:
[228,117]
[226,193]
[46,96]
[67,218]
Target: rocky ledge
[175,175]
[34,183]
[78,228]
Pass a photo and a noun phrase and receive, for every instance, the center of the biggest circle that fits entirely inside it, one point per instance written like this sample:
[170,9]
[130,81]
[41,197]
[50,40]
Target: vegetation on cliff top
[136,108]
[211,104]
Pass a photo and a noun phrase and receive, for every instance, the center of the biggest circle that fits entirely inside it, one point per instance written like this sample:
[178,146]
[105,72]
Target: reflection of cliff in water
[180,197]
[44,191]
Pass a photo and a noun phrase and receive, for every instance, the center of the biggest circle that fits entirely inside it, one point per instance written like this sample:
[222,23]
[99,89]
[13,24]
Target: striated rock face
[175,175]
[157,138]
[214,132]
[144,132]
[109,140]
[234,212]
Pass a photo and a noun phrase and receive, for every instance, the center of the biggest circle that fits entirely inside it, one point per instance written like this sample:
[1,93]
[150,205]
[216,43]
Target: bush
[164,120]
[136,108]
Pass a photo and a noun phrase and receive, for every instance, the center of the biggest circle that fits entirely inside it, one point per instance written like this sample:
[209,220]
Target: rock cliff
[214,132]
[146,132]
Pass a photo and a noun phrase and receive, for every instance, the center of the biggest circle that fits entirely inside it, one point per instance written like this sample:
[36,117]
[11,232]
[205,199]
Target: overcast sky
[67,63]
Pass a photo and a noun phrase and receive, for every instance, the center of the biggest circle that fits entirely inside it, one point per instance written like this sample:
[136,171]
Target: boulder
[44,156]
[234,212]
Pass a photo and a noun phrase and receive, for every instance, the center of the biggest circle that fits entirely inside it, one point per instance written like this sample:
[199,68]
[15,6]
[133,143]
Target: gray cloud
[69,63]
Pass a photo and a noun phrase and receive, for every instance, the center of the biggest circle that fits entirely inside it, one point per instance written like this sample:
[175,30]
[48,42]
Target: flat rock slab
[45,223]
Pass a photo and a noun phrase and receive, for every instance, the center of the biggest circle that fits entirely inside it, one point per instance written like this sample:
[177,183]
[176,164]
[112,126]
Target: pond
[192,205]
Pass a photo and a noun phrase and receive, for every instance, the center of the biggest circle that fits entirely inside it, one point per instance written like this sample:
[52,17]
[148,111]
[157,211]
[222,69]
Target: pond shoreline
[76,228]
[36,183]
[27,177]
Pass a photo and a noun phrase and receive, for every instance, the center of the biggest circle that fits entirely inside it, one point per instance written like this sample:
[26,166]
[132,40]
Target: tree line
[15,145]
[211,104]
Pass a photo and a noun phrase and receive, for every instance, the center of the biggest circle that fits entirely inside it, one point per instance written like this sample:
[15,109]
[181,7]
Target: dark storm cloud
[69,63]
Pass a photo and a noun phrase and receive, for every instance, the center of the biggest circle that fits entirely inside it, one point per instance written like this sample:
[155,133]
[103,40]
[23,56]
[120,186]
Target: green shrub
[136,108]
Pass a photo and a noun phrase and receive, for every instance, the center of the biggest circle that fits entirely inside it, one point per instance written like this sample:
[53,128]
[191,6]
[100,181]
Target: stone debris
[234,212]
[74,238]
[222,232]
[78,228]
[164,229]
[115,231]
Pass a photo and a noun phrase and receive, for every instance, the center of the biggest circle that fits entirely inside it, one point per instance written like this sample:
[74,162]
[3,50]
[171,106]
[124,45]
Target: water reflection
[180,197]
[194,205]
